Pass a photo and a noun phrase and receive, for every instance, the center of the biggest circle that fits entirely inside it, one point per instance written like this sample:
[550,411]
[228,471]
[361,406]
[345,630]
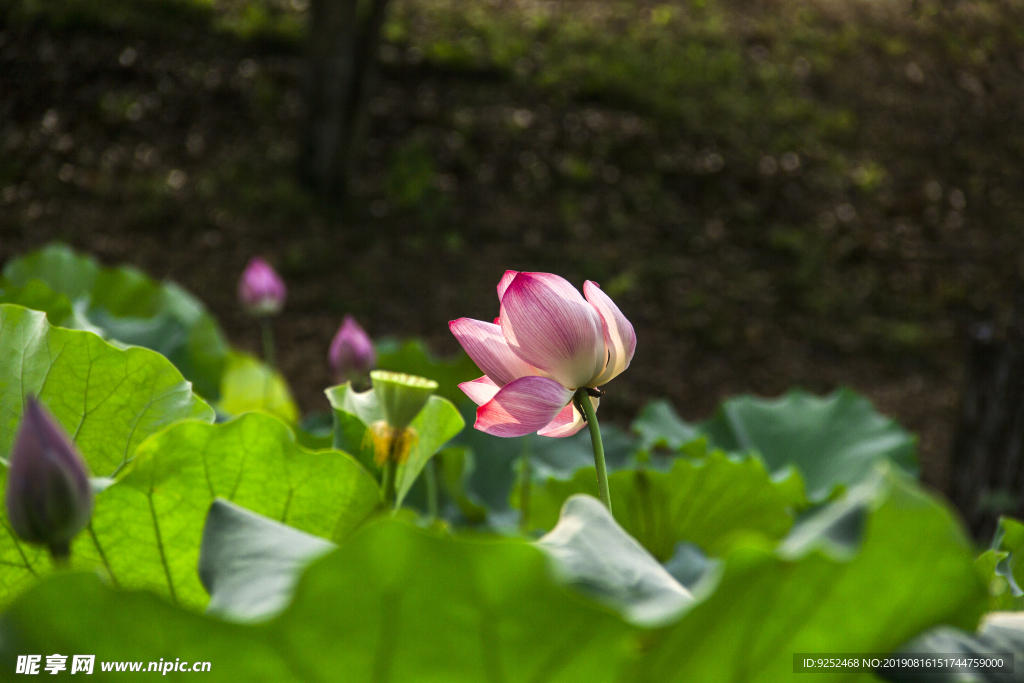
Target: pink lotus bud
[351,354]
[48,495]
[260,289]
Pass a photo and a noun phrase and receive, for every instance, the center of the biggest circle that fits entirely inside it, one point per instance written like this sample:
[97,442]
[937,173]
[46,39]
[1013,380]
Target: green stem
[595,435]
[60,553]
[430,479]
[268,342]
[390,469]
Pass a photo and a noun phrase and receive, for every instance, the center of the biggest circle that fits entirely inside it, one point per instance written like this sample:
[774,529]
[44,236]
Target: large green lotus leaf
[400,604]
[689,565]
[658,426]
[316,431]
[702,501]
[864,574]
[1003,566]
[126,305]
[125,292]
[834,440]
[413,358]
[1000,634]
[394,603]
[249,384]
[434,426]
[594,553]
[137,626]
[204,354]
[107,399]
[131,307]
[1009,538]
[249,564]
[150,523]
[1003,595]
[38,296]
[59,266]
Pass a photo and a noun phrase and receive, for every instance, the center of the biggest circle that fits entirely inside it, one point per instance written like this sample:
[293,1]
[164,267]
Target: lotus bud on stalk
[48,496]
[262,293]
[401,398]
[260,289]
[351,354]
[544,358]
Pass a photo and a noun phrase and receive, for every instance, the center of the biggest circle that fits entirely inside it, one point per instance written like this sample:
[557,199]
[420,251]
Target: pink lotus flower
[260,289]
[351,354]
[548,342]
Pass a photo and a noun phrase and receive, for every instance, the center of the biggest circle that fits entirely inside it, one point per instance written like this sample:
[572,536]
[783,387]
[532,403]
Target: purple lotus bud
[48,495]
[351,355]
[260,289]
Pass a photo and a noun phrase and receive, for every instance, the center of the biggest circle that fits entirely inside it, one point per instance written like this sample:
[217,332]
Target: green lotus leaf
[701,501]
[125,305]
[249,384]
[147,527]
[108,400]
[399,603]
[864,574]
[834,441]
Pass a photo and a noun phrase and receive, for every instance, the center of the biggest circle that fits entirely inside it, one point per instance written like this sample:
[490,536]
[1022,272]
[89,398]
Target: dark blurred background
[777,193]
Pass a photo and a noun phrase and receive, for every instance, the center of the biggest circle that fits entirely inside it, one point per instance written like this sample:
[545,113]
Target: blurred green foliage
[147,16]
[252,21]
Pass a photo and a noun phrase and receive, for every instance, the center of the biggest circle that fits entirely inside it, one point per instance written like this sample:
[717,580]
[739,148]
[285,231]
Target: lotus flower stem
[268,342]
[595,435]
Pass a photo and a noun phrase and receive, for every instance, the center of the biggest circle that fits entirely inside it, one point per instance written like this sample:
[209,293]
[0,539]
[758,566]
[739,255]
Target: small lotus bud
[401,396]
[260,289]
[351,354]
[48,495]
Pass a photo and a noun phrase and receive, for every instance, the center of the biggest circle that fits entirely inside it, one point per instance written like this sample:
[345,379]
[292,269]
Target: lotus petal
[567,422]
[522,407]
[486,345]
[549,324]
[508,277]
[480,390]
[619,337]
